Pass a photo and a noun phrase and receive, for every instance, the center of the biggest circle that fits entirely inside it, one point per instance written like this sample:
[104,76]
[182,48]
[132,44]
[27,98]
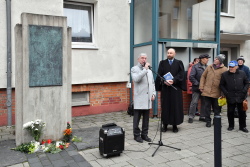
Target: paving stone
[33,160]
[64,153]
[59,163]
[46,162]
[67,158]
[78,158]
[37,164]
[73,164]
[105,162]
[53,157]
[72,152]
[84,164]
[139,162]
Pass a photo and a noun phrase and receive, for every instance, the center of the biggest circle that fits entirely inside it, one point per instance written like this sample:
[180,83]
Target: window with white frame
[80,19]
[80,98]
[224,6]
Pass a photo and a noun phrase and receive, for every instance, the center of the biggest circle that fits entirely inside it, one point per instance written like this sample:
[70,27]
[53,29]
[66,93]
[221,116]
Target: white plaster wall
[110,62]
[239,23]
[46,7]
[3,45]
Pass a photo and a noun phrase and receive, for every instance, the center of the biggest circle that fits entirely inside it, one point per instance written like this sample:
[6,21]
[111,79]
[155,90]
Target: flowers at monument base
[29,148]
[76,139]
[67,133]
[35,128]
[46,145]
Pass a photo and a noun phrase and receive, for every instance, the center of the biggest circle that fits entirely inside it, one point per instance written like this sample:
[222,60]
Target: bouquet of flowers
[67,133]
[29,148]
[34,128]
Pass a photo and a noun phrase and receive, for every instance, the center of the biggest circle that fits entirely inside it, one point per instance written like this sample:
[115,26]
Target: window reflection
[142,21]
[79,17]
[187,19]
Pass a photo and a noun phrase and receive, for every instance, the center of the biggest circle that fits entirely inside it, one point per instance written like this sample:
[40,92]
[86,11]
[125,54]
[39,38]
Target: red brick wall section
[104,97]
[3,107]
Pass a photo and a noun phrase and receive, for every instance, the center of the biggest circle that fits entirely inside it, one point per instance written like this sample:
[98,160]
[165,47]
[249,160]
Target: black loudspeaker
[111,140]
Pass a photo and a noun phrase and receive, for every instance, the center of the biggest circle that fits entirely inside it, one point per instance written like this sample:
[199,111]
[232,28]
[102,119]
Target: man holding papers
[172,70]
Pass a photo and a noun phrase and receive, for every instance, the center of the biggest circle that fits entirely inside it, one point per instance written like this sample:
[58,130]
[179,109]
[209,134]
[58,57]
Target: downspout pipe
[9,64]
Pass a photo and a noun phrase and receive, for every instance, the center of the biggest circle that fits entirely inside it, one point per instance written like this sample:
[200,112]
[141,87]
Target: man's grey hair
[142,54]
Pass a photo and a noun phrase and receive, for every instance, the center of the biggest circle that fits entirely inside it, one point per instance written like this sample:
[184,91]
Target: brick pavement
[195,141]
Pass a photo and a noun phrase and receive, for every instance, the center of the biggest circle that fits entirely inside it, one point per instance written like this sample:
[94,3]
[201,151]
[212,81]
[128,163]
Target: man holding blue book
[172,70]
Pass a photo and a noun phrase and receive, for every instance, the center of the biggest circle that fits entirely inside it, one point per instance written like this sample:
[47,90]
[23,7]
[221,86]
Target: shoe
[197,114]
[190,120]
[202,119]
[244,130]
[164,128]
[154,117]
[208,124]
[230,128]
[146,138]
[175,129]
[138,139]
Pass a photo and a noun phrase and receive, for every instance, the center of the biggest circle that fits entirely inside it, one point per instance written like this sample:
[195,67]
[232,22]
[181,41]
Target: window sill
[84,46]
[74,104]
[226,15]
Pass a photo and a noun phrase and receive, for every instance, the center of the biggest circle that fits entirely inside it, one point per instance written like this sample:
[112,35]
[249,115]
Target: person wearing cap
[243,67]
[209,87]
[195,76]
[234,84]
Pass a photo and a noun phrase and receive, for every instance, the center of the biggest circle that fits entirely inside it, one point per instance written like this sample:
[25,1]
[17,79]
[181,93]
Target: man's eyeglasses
[231,67]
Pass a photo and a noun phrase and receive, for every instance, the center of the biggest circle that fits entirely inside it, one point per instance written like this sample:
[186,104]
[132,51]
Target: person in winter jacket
[209,87]
[243,67]
[234,84]
[195,76]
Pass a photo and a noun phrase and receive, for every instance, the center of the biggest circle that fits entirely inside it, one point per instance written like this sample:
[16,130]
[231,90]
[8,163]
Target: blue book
[168,76]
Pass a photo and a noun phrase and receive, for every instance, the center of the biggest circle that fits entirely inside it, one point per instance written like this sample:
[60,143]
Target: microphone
[149,67]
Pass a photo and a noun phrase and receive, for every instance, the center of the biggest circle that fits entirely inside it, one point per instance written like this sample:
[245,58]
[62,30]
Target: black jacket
[195,76]
[234,86]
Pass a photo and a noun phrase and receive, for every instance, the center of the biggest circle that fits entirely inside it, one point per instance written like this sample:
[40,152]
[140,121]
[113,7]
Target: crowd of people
[204,82]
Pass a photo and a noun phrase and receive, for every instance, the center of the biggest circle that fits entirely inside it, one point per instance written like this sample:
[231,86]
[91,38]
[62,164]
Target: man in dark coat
[171,99]
[195,76]
[234,85]
[243,67]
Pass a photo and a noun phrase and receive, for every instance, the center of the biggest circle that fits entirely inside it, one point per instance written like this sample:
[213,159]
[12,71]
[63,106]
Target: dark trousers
[209,101]
[230,114]
[136,121]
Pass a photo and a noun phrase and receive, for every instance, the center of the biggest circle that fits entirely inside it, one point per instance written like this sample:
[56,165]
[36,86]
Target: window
[80,98]
[224,6]
[80,19]
[192,20]
[228,8]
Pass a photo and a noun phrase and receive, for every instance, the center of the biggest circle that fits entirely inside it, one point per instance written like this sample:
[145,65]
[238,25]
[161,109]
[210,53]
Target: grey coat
[144,87]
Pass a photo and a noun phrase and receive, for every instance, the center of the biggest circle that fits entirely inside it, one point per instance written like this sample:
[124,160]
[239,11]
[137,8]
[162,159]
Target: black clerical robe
[171,99]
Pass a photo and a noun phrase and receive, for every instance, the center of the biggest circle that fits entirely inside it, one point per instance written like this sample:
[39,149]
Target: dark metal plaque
[45,56]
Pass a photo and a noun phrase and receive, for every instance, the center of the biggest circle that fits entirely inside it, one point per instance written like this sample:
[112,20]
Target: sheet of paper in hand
[168,76]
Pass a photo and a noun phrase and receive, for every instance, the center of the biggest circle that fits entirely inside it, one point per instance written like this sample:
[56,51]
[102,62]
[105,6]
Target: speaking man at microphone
[144,94]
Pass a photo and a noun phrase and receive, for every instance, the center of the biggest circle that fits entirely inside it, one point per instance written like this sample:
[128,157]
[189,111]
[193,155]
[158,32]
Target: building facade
[107,36]
[100,52]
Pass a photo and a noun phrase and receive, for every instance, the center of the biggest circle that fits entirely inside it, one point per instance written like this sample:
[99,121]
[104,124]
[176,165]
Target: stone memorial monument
[42,75]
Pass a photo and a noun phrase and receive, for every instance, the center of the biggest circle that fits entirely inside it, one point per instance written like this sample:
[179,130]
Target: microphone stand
[160,143]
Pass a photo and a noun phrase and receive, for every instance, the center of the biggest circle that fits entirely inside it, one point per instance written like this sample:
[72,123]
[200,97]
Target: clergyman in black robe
[171,99]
